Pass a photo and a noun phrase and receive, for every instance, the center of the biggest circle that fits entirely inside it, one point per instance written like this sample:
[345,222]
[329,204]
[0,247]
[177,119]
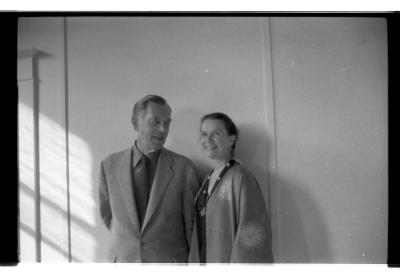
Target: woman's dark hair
[229,125]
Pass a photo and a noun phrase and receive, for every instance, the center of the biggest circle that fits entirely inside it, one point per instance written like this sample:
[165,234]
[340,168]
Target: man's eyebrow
[159,118]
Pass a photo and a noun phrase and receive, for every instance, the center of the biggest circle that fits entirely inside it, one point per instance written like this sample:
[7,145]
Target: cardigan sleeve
[253,241]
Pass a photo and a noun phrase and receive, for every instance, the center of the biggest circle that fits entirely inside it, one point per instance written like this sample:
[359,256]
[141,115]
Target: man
[146,192]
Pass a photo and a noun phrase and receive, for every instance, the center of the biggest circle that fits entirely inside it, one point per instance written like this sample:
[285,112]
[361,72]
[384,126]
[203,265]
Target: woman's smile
[215,140]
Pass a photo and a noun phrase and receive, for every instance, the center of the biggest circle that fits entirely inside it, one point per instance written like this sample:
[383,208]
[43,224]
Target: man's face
[152,126]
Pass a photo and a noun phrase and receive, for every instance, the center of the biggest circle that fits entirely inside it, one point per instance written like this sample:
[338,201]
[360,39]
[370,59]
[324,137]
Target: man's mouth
[210,147]
[158,138]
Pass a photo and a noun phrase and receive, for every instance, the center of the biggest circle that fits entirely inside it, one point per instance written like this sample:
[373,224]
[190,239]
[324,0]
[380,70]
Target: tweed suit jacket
[166,232]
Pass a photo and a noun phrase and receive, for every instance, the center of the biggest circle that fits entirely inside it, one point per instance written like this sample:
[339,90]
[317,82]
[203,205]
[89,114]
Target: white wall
[330,87]
[202,65]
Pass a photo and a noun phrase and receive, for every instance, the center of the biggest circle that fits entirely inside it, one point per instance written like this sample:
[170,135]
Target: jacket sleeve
[104,199]
[189,192]
[253,241]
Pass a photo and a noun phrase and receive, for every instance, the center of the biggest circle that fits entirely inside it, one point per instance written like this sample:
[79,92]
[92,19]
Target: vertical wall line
[38,232]
[67,138]
[271,127]
[64,92]
[29,75]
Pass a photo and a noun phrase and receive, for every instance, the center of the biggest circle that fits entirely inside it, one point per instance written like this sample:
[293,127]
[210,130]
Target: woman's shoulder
[240,172]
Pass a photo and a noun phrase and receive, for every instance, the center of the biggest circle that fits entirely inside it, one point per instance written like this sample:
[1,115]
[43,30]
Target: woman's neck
[219,164]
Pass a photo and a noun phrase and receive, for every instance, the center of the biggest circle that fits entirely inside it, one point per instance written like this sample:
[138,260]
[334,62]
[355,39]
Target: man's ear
[134,123]
[232,139]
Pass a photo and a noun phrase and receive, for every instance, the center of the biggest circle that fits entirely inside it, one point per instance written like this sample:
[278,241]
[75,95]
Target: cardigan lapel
[125,181]
[162,178]
[200,190]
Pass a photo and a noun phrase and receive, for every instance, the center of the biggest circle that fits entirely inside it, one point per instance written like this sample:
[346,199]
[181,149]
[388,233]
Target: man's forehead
[158,110]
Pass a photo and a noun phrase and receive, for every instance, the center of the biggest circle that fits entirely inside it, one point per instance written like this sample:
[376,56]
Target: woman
[232,223]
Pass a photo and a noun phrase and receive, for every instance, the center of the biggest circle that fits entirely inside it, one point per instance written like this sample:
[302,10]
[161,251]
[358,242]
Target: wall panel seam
[271,128]
[63,69]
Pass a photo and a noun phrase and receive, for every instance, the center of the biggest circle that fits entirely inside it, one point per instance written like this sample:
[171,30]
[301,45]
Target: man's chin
[157,146]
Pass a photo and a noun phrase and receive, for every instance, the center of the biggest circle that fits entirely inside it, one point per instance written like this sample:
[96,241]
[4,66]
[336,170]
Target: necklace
[203,195]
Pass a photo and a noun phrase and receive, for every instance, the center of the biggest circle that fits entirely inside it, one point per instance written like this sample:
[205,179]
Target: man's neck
[144,149]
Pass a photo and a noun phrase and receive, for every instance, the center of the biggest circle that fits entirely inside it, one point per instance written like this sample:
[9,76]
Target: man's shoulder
[118,155]
[176,157]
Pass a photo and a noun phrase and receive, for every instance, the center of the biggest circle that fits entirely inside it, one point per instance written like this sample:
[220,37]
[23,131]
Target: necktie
[143,187]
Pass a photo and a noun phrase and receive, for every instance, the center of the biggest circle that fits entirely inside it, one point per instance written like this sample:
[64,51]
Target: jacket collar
[163,176]
[137,155]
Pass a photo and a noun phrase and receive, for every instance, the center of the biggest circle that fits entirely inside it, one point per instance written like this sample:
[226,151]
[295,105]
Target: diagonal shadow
[54,206]
[45,240]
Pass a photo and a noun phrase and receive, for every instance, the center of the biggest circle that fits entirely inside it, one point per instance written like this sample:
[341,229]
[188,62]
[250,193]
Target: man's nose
[162,128]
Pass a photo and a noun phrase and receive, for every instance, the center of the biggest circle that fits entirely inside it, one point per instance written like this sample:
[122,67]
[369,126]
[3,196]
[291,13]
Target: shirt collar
[137,155]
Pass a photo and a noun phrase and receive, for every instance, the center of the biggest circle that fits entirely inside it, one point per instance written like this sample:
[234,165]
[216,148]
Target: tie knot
[146,160]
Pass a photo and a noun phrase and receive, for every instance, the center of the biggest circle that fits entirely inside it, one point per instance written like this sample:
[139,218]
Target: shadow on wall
[253,151]
[84,224]
[187,143]
[48,240]
[302,236]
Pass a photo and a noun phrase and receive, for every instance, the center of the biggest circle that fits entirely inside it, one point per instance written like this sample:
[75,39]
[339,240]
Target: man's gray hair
[141,105]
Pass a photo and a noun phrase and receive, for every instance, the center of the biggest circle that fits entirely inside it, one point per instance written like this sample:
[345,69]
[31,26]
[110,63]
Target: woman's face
[214,139]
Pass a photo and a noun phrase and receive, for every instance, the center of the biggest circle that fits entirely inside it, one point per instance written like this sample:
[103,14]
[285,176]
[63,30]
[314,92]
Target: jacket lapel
[125,181]
[162,178]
